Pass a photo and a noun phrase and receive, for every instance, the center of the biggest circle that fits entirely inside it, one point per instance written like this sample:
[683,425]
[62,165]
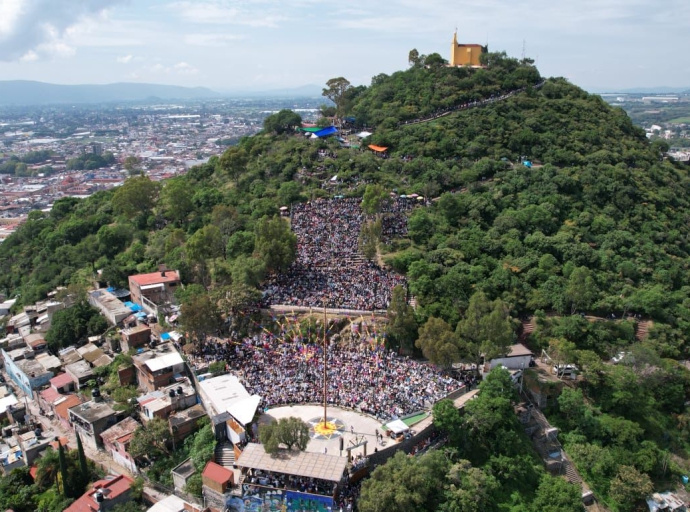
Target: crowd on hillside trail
[329,269]
[467,105]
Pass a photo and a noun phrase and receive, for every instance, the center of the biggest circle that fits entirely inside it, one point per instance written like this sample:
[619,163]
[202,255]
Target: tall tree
[581,290]
[485,331]
[402,325]
[336,89]
[275,243]
[438,342]
[288,433]
[66,487]
[375,197]
[83,468]
[136,196]
[234,162]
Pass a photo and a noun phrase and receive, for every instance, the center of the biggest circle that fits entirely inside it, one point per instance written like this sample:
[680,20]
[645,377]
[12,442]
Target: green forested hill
[599,225]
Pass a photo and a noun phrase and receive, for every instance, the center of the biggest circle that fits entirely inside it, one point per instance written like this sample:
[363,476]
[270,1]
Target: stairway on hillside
[413,302]
[224,454]
[643,329]
[527,328]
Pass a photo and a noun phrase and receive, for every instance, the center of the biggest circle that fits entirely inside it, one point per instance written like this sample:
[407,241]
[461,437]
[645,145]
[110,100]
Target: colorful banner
[265,499]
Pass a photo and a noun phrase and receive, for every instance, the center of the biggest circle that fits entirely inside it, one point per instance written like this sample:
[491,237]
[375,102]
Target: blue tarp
[141,314]
[110,289]
[165,336]
[133,306]
[326,132]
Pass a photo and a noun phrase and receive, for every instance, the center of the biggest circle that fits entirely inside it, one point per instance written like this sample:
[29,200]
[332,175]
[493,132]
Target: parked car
[565,369]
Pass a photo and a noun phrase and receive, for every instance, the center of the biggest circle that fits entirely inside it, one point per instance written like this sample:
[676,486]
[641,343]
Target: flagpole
[325,368]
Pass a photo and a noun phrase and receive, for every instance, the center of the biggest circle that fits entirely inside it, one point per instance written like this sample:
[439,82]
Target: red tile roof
[62,407]
[171,276]
[63,441]
[61,380]
[33,472]
[50,395]
[217,473]
[111,489]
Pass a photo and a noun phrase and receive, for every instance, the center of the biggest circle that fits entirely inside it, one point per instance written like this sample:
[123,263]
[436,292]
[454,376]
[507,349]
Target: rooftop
[61,380]
[93,411]
[307,464]
[124,428]
[171,276]
[61,407]
[110,302]
[185,470]
[226,393]
[217,473]
[193,413]
[80,369]
[519,350]
[110,487]
[29,366]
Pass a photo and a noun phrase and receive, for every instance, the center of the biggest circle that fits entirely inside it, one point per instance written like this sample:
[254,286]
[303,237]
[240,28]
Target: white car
[564,369]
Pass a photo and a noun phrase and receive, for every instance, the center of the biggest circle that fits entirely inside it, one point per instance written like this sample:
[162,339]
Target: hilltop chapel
[466,54]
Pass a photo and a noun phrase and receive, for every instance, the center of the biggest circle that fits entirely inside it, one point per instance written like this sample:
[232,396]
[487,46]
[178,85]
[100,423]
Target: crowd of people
[330,269]
[374,381]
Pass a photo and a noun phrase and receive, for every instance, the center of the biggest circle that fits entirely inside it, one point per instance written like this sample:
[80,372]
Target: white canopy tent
[397,426]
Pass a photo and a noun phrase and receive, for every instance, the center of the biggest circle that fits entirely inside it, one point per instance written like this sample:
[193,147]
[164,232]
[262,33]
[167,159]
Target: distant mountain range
[640,90]
[25,92]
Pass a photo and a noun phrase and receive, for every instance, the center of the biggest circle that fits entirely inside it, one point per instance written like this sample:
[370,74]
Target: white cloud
[183,68]
[125,59]
[220,12]
[40,25]
[211,40]
[29,56]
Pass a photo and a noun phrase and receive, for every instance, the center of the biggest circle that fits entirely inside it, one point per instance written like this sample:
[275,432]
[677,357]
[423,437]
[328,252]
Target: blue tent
[326,132]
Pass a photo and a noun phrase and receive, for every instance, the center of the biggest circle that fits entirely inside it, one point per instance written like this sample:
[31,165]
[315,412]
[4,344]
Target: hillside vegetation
[599,225]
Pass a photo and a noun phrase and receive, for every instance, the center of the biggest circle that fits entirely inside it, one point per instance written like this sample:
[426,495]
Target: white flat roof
[170,504]
[164,361]
[226,393]
[6,401]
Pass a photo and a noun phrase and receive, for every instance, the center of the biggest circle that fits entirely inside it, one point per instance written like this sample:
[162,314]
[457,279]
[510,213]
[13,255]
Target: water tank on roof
[171,393]
[99,497]
[179,390]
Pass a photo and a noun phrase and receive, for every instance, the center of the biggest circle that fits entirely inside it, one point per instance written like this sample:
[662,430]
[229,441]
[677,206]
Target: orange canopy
[378,149]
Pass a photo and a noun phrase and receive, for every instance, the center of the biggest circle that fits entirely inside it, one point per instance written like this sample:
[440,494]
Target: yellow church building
[466,54]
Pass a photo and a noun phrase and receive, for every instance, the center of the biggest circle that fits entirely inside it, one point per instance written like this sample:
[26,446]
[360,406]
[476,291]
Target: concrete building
[90,420]
[28,374]
[105,495]
[154,289]
[184,423]
[135,337]
[112,308]
[517,358]
[116,441]
[167,400]
[225,395]
[80,372]
[182,473]
[156,368]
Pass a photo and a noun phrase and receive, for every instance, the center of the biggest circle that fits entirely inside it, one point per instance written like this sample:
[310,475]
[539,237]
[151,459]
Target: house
[216,480]
[184,423]
[165,401]
[49,362]
[105,495]
[63,383]
[517,358]
[228,400]
[157,367]
[62,406]
[151,290]
[36,342]
[116,441]
[28,374]
[182,473]
[90,420]
[135,337]
[112,308]
[666,502]
[69,355]
[80,372]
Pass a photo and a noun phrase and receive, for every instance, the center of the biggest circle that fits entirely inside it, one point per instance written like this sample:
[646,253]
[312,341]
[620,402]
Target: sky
[241,45]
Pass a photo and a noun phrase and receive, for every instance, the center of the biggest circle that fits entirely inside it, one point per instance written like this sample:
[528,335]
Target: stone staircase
[413,302]
[527,328]
[224,454]
[643,329]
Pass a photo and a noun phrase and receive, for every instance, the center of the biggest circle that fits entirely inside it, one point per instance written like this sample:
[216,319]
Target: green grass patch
[680,120]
